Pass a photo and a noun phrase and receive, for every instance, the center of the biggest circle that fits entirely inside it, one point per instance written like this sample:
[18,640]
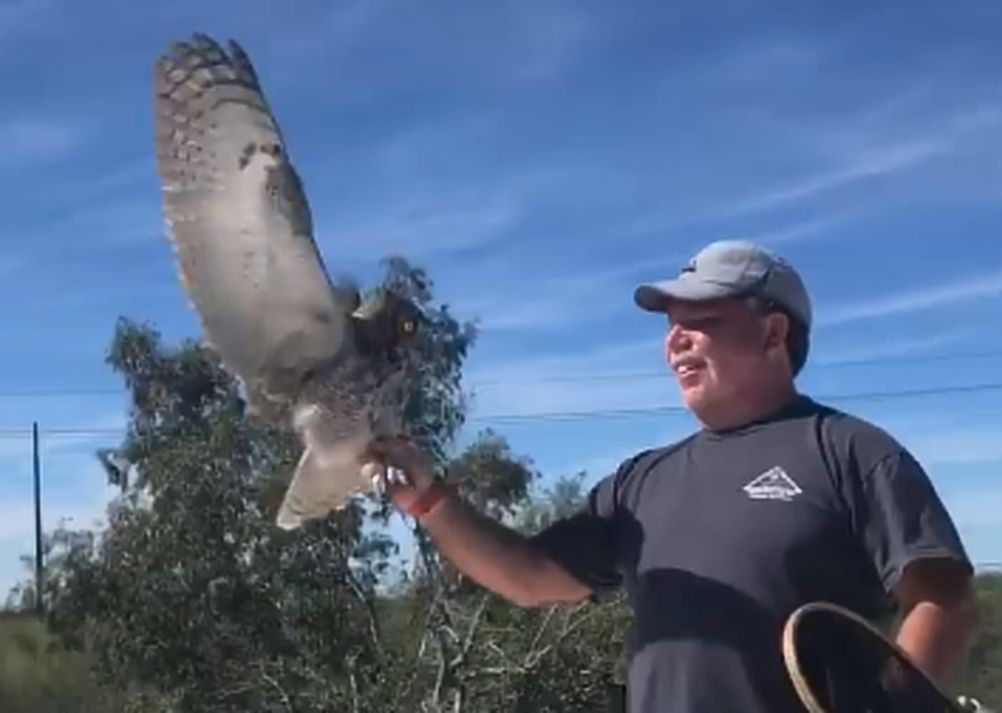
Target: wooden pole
[38,517]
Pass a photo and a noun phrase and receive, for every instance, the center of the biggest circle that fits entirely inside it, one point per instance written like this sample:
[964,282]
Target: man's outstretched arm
[496,557]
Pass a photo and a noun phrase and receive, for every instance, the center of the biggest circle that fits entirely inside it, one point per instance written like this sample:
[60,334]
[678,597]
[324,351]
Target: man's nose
[679,338]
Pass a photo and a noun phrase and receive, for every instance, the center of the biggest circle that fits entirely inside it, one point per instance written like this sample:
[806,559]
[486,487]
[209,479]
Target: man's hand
[415,464]
[496,557]
[937,598]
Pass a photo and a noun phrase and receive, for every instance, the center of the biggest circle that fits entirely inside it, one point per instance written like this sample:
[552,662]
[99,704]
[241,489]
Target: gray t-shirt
[719,537]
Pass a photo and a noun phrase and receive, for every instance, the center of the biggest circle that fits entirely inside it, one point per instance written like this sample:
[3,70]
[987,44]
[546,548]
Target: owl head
[387,322]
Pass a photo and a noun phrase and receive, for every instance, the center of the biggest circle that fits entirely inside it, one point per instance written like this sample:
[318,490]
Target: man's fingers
[380,448]
[395,476]
[393,450]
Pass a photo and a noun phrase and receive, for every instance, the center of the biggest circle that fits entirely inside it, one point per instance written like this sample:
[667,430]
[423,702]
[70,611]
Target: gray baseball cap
[731,268]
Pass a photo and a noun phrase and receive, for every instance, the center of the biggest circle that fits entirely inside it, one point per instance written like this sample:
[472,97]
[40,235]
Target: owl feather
[308,352]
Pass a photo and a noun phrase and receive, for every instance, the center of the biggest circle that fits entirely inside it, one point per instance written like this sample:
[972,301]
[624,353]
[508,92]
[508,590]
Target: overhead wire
[570,415]
[565,378]
[673,408]
[661,373]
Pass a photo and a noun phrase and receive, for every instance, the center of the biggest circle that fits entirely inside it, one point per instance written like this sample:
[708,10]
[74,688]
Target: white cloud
[547,39]
[894,138]
[19,16]
[561,300]
[797,231]
[124,176]
[574,383]
[875,163]
[40,140]
[885,350]
[761,62]
[419,228]
[115,222]
[977,286]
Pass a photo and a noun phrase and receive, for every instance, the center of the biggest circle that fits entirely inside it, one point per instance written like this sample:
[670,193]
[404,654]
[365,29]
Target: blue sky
[539,158]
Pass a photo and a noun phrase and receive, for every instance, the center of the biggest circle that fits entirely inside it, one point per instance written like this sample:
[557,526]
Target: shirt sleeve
[584,543]
[901,518]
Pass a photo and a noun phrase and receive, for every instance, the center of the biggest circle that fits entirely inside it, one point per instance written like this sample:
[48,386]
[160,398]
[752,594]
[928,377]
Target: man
[775,501]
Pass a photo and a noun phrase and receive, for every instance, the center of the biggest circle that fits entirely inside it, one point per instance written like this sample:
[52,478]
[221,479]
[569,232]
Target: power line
[70,432]
[584,377]
[662,373]
[6,433]
[669,409]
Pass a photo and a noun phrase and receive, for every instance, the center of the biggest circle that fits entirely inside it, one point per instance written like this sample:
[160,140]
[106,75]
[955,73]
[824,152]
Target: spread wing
[238,218]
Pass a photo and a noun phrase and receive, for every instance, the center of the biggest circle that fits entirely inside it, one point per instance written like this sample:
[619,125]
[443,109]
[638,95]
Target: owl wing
[238,218]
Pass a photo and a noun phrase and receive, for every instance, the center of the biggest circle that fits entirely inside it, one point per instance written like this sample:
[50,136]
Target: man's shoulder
[643,461]
[854,435]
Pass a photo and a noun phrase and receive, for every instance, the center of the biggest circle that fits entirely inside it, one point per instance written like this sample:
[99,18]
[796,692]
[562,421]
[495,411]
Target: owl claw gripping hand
[309,353]
[972,704]
[383,477]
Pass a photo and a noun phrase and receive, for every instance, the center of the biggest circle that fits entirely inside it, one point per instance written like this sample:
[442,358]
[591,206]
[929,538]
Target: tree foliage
[982,677]
[191,599]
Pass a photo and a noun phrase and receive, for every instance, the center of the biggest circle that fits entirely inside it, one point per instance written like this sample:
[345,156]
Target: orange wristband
[427,500]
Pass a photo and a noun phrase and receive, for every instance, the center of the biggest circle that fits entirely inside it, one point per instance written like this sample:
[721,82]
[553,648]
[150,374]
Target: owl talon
[397,476]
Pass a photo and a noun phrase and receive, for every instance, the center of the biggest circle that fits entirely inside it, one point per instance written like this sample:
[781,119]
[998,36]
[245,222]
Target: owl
[309,352]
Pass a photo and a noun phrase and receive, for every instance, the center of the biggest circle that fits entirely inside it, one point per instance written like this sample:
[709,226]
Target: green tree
[191,599]
[191,590]
[982,677]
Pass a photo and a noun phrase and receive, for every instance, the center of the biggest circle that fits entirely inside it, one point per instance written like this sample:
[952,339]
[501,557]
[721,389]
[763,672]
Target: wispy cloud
[520,41]
[760,61]
[106,181]
[548,39]
[559,301]
[896,137]
[420,228]
[879,162]
[18,16]
[973,287]
[40,140]
[10,264]
[889,349]
[798,231]
[578,383]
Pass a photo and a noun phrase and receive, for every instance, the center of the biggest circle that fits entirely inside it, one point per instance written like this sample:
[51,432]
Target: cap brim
[655,296]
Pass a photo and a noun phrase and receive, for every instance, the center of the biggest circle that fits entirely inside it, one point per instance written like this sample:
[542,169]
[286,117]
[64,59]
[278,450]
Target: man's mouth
[687,365]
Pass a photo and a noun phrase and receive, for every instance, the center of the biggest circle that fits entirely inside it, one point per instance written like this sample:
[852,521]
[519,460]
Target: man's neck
[756,408]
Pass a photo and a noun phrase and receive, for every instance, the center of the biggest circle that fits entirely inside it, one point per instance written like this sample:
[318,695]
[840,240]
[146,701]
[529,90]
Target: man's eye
[699,323]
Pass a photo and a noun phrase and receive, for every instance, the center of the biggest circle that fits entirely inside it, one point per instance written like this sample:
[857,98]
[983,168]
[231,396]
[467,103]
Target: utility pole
[38,518]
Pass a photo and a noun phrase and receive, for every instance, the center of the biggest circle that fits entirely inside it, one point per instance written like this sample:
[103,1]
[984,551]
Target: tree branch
[370,609]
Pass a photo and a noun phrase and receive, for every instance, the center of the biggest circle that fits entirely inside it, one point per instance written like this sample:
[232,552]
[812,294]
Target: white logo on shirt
[774,484]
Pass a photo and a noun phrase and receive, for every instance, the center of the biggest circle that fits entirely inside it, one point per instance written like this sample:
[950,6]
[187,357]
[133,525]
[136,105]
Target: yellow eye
[408,326]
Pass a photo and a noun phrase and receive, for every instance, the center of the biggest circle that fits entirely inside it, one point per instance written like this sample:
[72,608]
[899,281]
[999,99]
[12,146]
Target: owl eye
[407,326]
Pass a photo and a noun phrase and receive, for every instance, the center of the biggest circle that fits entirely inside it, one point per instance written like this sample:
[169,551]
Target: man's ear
[777,328]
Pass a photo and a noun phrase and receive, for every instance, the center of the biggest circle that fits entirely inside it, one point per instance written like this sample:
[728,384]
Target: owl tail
[320,486]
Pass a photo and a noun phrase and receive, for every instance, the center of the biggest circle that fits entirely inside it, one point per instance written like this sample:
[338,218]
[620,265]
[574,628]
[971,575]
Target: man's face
[716,350]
